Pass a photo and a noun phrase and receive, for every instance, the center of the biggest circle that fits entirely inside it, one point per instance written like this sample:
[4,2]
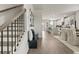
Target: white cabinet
[64,34]
[72,38]
[69,35]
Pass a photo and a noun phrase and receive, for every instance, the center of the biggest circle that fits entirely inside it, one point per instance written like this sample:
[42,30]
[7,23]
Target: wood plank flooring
[50,45]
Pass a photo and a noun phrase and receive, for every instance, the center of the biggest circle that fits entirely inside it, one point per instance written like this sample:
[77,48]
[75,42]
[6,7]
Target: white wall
[44,24]
[37,19]
[27,23]
[38,25]
[27,15]
[38,22]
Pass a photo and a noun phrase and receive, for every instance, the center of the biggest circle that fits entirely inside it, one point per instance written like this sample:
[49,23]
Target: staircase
[11,35]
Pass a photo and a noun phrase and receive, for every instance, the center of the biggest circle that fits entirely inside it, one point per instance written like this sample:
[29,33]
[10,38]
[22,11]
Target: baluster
[15,35]
[20,24]
[12,38]
[7,40]
[2,42]
[23,24]
[20,28]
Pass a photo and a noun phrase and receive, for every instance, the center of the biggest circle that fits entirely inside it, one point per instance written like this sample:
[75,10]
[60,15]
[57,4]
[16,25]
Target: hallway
[22,24]
[50,45]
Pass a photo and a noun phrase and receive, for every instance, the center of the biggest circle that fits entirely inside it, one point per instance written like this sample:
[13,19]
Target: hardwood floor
[50,45]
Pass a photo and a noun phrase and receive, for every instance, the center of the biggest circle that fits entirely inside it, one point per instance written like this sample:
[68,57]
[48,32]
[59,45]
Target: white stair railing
[11,35]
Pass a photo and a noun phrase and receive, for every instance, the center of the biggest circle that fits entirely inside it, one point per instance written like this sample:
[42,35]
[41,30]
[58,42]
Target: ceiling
[55,10]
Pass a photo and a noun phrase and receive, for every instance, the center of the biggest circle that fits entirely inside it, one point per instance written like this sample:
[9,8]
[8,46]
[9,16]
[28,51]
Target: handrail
[7,23]
[10,8]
